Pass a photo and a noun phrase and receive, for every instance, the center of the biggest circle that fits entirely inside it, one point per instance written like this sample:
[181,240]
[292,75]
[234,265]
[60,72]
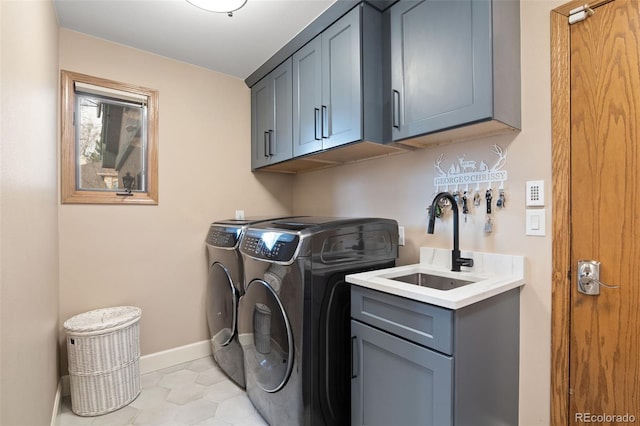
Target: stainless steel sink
[432,281]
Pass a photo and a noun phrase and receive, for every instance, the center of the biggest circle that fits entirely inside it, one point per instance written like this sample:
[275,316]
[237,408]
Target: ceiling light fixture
[219,6]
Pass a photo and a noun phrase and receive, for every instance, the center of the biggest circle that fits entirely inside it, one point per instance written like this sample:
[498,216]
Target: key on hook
[476,199]
[500,203]
[489,197]
[465,205]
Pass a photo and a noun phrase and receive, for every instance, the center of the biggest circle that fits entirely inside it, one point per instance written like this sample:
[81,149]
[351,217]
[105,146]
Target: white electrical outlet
[535,193]
[400,235]
[239,214]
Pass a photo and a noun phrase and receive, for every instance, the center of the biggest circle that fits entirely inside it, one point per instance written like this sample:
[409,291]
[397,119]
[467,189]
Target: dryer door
[222,306]
[266,337]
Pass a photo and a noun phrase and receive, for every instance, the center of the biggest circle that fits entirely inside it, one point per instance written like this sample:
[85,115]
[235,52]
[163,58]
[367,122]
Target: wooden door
[604,354]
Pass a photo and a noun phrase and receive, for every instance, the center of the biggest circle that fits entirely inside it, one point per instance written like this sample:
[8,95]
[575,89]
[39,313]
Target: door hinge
[580,13]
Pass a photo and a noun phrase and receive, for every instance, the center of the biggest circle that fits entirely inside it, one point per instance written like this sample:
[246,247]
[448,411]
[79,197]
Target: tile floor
[194,393]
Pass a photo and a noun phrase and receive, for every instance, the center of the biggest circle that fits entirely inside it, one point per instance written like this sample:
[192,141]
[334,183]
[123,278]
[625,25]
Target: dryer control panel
[269,245]
[223,236]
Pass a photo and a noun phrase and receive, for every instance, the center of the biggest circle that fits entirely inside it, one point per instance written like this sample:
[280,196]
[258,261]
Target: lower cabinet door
[396,382]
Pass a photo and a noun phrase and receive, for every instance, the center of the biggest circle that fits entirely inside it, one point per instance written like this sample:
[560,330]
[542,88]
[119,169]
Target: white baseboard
[175,356]
[160,360]
[57,404]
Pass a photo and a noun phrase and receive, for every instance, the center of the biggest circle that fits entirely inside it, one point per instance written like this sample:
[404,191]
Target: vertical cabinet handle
[270,143]
[354,357]
[266,144]
[395,106]
[325,122]
[316,124]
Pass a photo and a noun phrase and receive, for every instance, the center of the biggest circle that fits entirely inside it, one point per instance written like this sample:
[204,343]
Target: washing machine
[224,288]
[294,316]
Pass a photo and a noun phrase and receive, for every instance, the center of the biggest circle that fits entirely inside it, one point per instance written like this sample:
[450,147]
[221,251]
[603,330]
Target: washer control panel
[223,236]
[269,245]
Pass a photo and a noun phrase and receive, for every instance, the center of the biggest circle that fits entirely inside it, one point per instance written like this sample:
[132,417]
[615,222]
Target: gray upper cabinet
[342,82]
[327,88]
[419,72]
[271,117]
[307,87]
[445,57]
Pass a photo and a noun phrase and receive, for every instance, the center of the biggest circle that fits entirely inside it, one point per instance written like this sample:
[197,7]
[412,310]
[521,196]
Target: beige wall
[153,256]
[28,213]
[401,187]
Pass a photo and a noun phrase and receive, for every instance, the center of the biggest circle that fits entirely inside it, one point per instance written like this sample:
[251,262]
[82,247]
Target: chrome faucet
[456,260]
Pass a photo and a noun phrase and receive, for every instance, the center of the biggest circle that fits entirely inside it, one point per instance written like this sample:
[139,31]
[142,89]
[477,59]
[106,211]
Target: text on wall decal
[464,173]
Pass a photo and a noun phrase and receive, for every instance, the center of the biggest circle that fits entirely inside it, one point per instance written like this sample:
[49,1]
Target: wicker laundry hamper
[104,351]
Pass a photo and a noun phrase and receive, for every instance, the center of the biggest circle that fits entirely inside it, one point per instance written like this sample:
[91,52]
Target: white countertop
[492,274]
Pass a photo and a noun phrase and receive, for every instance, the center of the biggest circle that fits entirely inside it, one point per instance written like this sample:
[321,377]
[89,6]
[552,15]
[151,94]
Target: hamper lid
[102,319]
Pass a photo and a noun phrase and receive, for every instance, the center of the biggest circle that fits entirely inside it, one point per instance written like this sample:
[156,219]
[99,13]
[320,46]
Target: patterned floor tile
[123,416]
[196,411]
[151,398]
[178,378]
[195,393]
[222,391]
[150,379]
[186,392]
[202,364]
[212,376]
[159,415]
[239,410]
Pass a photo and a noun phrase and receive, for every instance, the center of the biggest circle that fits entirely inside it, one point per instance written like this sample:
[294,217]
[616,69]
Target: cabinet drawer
[425,324]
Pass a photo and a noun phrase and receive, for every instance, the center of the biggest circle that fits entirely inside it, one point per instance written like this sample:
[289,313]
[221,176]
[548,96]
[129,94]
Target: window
[109,149]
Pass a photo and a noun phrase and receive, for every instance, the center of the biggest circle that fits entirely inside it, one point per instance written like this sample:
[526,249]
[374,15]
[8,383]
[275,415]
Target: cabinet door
[395,382]
[440,65]
[261,121]
[281,140]
[341,82]
[307,98]
[271,123]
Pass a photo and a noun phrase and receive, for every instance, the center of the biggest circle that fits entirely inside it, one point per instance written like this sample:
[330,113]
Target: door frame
[561,215]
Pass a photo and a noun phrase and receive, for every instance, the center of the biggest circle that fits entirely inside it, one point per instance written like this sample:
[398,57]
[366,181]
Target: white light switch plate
[535,223]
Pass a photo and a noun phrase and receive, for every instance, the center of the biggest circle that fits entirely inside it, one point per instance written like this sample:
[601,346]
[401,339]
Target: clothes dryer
[224,288]
[294,317]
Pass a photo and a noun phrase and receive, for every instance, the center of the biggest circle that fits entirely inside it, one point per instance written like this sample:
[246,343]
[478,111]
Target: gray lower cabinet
[271,117]
[418,364]
[387,380]
[332,90]
[454,63]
